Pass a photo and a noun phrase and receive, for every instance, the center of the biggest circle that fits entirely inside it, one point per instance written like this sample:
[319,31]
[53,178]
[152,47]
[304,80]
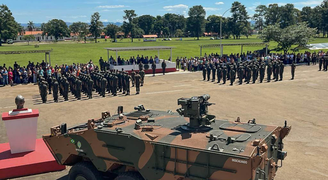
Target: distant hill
[69,23]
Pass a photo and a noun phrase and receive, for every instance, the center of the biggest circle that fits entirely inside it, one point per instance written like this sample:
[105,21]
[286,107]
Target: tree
[30,26]
[21,30]
[56,28]
[213,24]
[8,25]
[129,26]
[146,23]
[259,17]
[80,29]
[111,30]
[28,38]
[324,17]
[288,15]
[158,26]
[239,19]
[247,30]
[95,26]
[298,34]
[196,20]
[178,33]
[272,15]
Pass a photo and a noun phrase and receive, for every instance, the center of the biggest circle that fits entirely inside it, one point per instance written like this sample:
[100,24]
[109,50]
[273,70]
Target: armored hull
[160,145]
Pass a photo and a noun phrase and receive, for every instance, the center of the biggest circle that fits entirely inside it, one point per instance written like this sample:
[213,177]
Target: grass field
[72,51]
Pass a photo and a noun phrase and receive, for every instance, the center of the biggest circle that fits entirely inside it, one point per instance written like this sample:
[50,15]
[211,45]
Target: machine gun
[196,108]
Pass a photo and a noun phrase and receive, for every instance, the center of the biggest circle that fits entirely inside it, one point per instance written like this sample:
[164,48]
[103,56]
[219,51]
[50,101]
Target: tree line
[175,25]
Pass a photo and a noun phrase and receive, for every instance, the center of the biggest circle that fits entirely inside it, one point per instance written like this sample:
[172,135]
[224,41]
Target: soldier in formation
[246,71]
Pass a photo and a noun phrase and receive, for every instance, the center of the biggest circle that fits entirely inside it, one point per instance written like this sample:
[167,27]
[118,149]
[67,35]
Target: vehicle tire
[129,176]
[84,171]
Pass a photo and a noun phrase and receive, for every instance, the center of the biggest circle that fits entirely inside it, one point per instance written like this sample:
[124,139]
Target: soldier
[153,67]
[255,73]
[320,63]
[208,72]
[163,66]
[101,64]
[281,70]
[133,73]
[137,79]
[224,74]
[293,67]
[127,83]
[43,89]
[78,89]
[219,73]
[103,87]
[49,80]
[114,86]
[204,72]
[90,88]
[325,64]
[232,75]
[119,81]
[269,72]
[248,73]
[141,66]
[213,72]
[142,75]
[241,74]
[262,71]
[55,90]
[277,71]
[66,89]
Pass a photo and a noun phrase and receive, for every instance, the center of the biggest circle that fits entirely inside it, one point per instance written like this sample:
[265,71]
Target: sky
[40,11]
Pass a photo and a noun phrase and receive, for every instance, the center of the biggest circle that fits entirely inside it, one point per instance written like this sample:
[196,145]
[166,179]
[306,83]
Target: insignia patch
[79,144]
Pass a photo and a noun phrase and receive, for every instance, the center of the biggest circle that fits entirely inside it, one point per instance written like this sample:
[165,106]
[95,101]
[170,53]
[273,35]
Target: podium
[24,154]
[21,125]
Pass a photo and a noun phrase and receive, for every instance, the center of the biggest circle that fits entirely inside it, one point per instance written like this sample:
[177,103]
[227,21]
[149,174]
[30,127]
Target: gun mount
[196,108]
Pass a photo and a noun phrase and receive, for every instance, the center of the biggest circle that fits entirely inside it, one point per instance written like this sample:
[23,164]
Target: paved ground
[303,102]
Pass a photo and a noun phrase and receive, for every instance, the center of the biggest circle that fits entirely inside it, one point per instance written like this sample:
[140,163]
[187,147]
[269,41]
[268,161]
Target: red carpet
[29,163]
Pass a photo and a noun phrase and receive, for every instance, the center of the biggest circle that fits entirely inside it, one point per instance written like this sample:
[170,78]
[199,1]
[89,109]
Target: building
[38,36]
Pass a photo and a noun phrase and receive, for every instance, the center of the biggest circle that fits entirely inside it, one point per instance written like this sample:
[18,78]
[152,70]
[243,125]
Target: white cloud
[309,3]
[179,6]
[76,17]
[104,20]
[111,6]
[219,3]
[178,9]
[211,9]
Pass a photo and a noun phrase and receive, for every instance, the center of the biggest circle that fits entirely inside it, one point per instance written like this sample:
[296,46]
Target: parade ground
[302,102]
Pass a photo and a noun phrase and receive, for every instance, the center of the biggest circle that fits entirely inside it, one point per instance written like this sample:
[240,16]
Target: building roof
[32,32]
[139,48]
[234,44]
[150,36]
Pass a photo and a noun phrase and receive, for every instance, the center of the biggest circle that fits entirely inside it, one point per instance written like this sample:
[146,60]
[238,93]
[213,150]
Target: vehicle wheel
[129,176]
[84,171]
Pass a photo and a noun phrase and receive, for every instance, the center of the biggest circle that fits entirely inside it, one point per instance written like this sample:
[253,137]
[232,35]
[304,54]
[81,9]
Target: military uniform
[55,90]
[163,66]
[219,73]
[103,87]
[142,75]
[208,72]
[255,73]
[78,89]
[133,73]
[262,71]
[224,74]
[204,72]
[320,63]
[241,74]
[153,67]
[232,75]
[90,88]
[43,90]
[269,72]
[213,72]
[127,83]
[137,79]
[292,68]
[115,81]
[281,70]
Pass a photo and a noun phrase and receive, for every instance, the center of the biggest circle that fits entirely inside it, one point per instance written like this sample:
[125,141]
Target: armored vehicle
[150,144]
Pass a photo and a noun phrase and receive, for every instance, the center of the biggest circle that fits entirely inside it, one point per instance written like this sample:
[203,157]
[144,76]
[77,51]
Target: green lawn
[71,51]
